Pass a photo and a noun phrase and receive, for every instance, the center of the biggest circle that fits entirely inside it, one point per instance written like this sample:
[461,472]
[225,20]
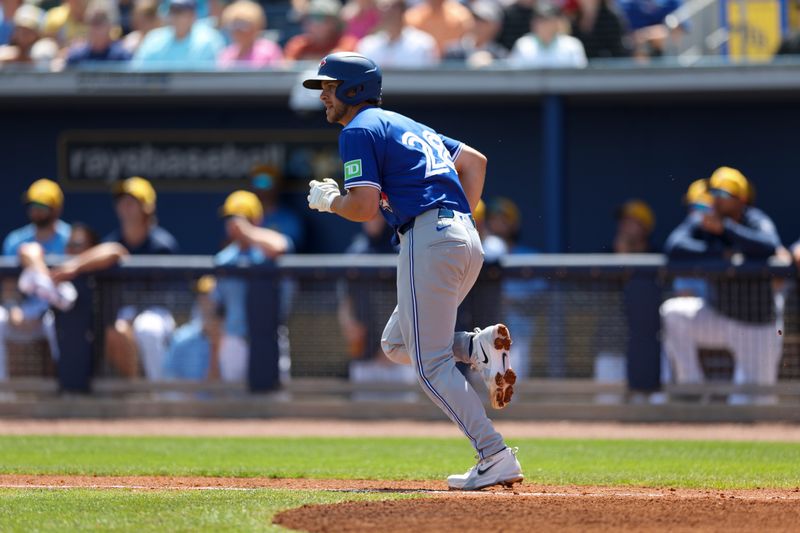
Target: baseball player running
[425,185]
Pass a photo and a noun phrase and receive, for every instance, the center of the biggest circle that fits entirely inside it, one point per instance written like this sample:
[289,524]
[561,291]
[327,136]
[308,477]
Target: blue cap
[183,4]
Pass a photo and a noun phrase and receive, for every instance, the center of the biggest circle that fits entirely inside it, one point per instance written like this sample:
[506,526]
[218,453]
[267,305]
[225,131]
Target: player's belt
[443,213]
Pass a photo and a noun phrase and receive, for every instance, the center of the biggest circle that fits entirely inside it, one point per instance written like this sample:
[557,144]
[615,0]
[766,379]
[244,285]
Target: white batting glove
[322,194]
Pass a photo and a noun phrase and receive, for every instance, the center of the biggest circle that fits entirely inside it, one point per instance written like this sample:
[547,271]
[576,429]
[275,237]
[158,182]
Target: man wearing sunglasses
[741,315]
[28,319]
[44,201]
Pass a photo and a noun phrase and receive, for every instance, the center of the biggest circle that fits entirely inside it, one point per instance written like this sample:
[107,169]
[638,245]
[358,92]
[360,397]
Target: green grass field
[719,465]
[157,511]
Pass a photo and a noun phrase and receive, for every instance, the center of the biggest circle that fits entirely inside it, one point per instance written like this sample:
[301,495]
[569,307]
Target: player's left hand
[322,194]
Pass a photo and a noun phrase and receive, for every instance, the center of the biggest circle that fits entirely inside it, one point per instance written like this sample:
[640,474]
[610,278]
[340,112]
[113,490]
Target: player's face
[727,206]
[335,109]
[41,215]
[130,211]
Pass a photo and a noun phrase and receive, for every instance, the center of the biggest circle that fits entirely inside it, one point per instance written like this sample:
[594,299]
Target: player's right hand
[322,193]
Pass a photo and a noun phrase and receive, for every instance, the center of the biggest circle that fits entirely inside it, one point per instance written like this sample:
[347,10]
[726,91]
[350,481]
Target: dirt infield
[527,507]
[533,513]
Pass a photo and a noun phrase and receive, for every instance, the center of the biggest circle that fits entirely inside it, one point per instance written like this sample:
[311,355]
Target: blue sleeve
[682,244]
[119,53]
[761,240]
[75,56]
[165,241]
[9,245]
[357,147]
[453,146]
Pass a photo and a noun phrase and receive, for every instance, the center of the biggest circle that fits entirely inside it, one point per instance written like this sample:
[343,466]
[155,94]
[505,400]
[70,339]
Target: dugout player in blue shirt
[425,185]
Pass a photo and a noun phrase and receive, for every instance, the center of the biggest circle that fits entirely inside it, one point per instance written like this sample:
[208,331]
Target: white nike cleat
[501,468]
[491,357]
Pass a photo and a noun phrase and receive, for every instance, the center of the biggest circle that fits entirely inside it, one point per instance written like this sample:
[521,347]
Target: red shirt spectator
[322,33]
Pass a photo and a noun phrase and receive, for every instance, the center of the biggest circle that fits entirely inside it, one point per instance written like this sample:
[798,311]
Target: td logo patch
[352,169]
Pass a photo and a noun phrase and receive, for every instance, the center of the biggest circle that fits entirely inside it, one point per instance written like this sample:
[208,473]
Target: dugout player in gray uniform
[425,185]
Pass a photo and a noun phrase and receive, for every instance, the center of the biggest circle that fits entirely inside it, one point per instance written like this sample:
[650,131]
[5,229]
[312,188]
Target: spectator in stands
[479,47]
[698,201]
[741,319]
[35,283]
[99,44]
[138,338]
[27,20]
[28,320]
[250,244]
[139,232]
[266,183]
[447,21]
[194,348]
[66,23]
[183,42]
[7,10]
[516,22]
[646,18]
[397,44]
[546,46]
[641,298]
[144,19]
[245,22]
[322,33]
[44,201]
[635,224]
[361,18]
[601,29]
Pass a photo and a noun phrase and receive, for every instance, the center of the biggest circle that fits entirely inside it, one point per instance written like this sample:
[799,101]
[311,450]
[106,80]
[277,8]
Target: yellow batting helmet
[731,182]
[45,192]
[639,211]
[139,188]
[698,194]
[242,204]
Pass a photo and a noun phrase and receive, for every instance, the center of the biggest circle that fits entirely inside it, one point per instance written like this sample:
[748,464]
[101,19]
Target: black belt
[443,213]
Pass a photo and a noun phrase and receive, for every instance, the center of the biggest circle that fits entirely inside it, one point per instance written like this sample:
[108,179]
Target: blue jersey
[409,163]
[57,244]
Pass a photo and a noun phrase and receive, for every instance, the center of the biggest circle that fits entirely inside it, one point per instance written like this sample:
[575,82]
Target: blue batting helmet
[354,71]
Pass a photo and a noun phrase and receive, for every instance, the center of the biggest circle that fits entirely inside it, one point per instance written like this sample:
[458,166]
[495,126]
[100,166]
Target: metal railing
[591,318]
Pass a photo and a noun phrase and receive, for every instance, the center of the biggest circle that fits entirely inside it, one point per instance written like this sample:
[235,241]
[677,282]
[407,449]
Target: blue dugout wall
[567,147]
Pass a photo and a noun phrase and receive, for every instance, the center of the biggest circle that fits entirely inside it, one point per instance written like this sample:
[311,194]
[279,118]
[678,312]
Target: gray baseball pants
[440,259]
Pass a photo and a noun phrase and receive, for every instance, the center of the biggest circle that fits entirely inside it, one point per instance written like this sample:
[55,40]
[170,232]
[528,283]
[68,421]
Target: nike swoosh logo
[440,228]
[505,356]
[485,357]
[482,472]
